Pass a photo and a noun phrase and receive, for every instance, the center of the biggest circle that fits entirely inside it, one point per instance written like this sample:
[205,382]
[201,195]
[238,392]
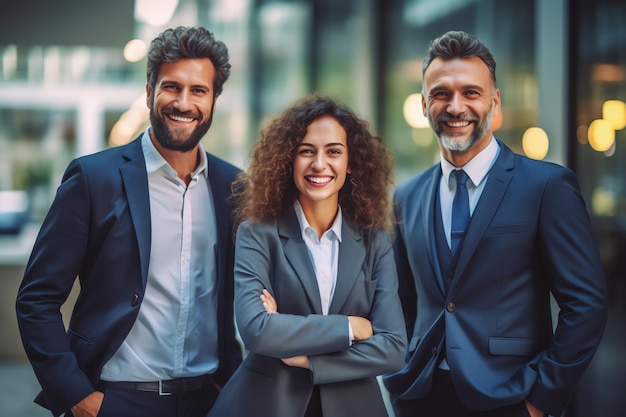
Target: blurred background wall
[72,82]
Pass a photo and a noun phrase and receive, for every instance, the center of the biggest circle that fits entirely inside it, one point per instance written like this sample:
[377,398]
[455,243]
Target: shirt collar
[304,224]
[477,167]
[156,162]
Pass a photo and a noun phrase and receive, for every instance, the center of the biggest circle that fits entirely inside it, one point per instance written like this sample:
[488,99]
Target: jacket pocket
[79,345]
[509,346]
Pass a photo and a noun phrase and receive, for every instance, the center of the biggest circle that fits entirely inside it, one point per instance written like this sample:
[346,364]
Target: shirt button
[451,307]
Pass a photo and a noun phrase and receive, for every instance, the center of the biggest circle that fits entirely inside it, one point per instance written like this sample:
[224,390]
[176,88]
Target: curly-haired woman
[315,281]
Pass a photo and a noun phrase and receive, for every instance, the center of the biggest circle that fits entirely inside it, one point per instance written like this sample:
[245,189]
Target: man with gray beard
[483,239]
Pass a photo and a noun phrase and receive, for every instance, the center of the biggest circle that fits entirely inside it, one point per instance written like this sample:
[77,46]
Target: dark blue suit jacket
[529,236]
[98,228]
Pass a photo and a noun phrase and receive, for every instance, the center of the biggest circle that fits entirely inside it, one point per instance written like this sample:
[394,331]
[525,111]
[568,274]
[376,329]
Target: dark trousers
[314,409]
[130,403]
[442,401]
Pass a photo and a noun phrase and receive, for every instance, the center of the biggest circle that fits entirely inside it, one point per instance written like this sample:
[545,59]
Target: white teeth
[181,119]
[319,180]
[460,123]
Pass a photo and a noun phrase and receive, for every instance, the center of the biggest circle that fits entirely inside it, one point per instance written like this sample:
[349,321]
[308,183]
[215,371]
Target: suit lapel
[219,190]
[351,257]
[298,257]
[135,180]
[429,196]
[498,181]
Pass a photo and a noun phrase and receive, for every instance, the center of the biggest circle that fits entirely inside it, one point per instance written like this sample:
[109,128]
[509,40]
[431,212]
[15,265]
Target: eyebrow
[174,82]
[328,145]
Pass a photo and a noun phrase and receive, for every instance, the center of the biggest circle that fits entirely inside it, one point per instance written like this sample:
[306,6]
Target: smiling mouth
[319,180]
[457,123]
[182,119]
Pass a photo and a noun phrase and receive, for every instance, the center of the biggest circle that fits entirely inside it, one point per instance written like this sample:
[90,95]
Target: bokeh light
[413,113]
[601,135]
[135,50]
[535,143]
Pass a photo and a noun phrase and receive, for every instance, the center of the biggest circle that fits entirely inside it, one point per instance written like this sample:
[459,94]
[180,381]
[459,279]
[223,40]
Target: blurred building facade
[71,83]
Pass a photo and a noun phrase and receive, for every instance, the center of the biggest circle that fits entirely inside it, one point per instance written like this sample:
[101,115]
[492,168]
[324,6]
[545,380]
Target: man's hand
[269,304]
[534,411]
[361,328]
[88,406]
[297,361]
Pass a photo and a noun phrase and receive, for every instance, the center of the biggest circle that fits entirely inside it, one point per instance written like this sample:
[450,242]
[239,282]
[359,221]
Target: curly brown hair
[267,189]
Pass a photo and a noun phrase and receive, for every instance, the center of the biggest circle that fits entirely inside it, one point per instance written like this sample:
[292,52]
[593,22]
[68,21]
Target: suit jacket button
[434,350]
[135,300]
[451,307]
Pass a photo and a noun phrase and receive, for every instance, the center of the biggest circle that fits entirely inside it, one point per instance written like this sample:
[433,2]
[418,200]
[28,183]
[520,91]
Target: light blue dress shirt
[175,334]
[477,170]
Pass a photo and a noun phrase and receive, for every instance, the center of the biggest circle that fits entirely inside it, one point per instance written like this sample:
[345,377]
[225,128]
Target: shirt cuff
[350,334]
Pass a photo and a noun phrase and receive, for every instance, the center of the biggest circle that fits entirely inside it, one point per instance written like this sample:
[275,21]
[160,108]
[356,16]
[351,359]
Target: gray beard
[456,144]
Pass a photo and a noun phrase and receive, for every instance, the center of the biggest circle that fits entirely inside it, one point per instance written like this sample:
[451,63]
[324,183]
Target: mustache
[170,111]
[446,117]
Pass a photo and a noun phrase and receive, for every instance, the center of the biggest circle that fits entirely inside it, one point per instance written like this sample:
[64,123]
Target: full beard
[173,140]
[459,143]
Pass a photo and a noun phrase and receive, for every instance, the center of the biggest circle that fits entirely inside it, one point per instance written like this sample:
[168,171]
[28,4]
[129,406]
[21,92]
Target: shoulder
[254,228]
[417,182]
[529,172]
[218,166]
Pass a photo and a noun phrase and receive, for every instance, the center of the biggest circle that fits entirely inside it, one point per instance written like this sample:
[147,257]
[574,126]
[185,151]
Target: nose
[455,104]
[183,102]
[318,161]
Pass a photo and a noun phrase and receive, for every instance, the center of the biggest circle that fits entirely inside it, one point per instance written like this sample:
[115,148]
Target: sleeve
[276,335]
[571,261]
[53,266]
[383,352]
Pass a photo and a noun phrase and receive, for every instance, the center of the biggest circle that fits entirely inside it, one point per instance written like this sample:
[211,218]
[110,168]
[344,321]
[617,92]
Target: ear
[423,105]
[148,96]
[215,97]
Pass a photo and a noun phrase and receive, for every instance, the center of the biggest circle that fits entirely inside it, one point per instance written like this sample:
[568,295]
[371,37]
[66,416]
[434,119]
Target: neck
[320,214]
[184,163]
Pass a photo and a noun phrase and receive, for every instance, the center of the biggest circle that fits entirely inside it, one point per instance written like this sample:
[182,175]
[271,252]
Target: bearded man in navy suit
[476,297]
[146,228]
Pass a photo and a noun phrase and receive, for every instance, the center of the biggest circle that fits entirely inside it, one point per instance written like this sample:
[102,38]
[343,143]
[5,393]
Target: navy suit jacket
[274,256]
[98,229]
[529,236]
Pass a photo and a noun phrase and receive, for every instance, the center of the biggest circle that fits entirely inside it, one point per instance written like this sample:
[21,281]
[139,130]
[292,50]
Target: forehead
[200,70]
[443,72]
[325,129]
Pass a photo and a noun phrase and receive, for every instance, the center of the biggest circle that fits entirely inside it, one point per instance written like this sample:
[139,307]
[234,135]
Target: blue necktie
[460,210]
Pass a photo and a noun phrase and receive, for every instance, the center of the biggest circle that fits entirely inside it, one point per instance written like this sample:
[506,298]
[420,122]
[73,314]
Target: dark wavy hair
[459,44]
[267,189]
[188,42]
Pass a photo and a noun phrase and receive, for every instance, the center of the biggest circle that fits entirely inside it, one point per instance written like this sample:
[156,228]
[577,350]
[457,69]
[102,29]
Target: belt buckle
[161,392]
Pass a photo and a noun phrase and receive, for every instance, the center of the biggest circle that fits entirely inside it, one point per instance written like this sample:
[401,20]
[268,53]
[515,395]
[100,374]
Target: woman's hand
[297,361]
[269,304]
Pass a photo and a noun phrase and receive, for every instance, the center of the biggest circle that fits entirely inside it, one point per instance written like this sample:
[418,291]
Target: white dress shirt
[175,334]
[324,255]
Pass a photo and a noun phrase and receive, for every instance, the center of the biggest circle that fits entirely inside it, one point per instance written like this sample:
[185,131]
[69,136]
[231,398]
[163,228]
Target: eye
[334,151]
[472,93]
[305,151]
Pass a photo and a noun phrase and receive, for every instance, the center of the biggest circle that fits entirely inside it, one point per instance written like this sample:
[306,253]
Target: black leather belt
[167,387]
